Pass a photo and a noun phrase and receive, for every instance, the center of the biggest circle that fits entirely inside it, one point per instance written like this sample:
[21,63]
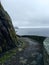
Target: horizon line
[33,27]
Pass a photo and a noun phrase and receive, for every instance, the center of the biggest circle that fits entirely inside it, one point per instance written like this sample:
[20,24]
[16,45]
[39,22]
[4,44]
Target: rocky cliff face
[8,38]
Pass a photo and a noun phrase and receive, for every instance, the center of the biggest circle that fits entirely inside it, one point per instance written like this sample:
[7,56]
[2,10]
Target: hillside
[8,37]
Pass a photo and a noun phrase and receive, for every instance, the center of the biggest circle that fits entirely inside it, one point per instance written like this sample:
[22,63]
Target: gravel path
[31,55]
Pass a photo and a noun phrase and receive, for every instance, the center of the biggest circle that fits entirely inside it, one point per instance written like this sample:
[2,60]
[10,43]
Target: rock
[46,45]
[8,38]
[46,51]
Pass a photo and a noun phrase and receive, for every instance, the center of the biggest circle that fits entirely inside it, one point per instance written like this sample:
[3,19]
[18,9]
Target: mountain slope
[8,38]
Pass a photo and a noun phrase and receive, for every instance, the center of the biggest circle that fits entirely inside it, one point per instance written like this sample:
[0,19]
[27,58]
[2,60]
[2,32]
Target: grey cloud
[28,12]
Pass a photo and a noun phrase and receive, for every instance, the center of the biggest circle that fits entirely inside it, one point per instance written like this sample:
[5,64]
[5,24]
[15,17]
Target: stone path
[31,55]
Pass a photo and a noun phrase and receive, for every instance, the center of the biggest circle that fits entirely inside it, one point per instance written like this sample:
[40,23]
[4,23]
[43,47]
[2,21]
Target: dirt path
[31,55]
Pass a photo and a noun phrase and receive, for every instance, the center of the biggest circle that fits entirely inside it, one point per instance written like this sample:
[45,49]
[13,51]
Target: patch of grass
[8,55]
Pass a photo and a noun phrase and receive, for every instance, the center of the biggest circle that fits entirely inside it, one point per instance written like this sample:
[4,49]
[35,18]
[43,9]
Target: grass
[8,55]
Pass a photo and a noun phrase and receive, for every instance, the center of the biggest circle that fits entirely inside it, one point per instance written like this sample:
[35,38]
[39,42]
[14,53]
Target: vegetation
[8,38]
[7,55]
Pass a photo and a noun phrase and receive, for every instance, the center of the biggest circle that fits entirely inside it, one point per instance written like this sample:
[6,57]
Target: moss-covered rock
[8,38]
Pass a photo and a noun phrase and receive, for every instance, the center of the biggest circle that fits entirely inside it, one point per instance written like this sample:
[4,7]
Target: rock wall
[46,51]
[8,38]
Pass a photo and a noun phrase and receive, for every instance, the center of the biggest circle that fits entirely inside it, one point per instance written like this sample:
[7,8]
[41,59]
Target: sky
[28,13]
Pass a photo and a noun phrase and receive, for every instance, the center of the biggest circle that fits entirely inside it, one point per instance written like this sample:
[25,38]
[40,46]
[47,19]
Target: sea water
[33,31]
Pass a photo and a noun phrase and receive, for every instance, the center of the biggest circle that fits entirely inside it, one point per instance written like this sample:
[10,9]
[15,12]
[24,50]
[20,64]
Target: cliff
[8,38]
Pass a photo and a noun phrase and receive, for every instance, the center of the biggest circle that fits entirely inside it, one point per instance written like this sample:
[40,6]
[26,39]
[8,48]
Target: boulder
[46,51]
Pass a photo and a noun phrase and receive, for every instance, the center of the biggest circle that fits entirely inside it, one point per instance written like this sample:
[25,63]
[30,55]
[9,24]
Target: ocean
[33,31]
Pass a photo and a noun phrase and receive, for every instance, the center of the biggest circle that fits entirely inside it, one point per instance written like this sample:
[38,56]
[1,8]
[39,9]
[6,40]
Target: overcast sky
[28,13]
